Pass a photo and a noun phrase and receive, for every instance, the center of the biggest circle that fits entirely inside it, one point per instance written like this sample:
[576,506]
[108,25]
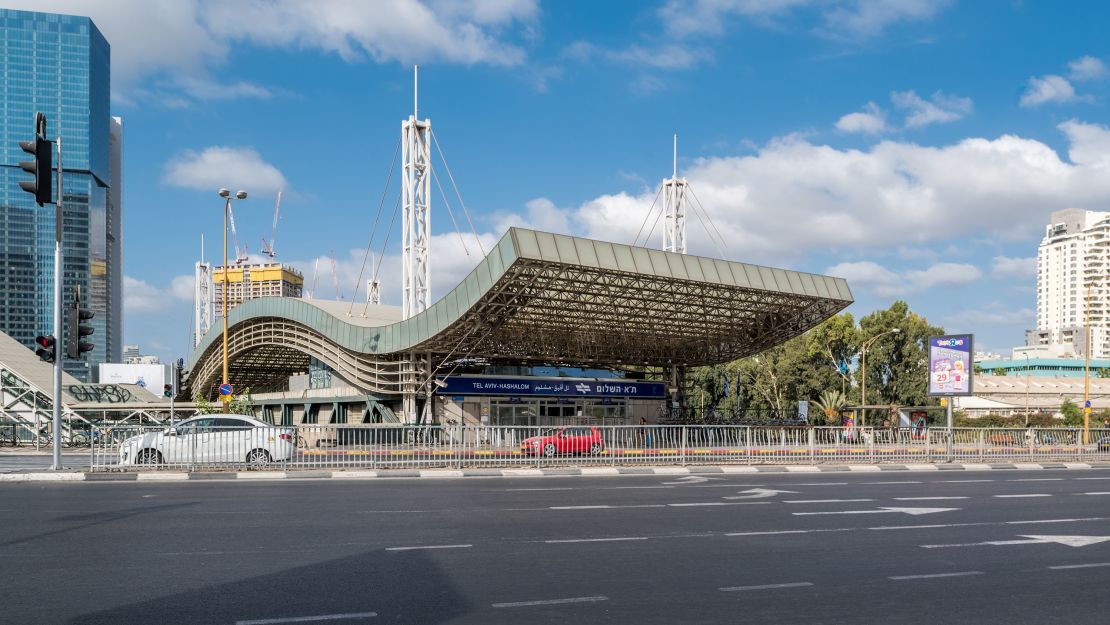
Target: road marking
[638,487]
[760,493]
[962,481]
[718,503]
[923,527]
[765,587]
[935,575]
[822,484]
[1070,541]
[1038,479]
[1097,493]
[925,498]
[773,532]
[1092,565]
[309,619]
[913,511]
[513,490]
[595,540]
[607,507]
[1092,518]
[692,479]
[1022,496]
[522,604]
[580,507]
[1091,478]
[825,500]
[428,547]
[909,482]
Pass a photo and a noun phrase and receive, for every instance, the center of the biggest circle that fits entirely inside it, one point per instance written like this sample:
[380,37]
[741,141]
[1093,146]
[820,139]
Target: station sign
[551,387]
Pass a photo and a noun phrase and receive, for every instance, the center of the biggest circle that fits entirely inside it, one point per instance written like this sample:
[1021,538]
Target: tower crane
[268,248]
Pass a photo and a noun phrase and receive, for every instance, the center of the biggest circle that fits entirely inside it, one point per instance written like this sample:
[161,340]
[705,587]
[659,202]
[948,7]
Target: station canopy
[539,297]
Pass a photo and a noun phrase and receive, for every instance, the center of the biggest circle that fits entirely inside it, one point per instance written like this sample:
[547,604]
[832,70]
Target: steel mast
[416,279]
[674,208]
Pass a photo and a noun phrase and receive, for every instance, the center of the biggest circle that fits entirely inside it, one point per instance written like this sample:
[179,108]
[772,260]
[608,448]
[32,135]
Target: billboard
[550,387]
[950,365]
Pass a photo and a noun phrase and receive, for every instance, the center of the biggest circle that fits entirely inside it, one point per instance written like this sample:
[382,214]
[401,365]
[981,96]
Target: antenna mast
[416,277]
[674,207]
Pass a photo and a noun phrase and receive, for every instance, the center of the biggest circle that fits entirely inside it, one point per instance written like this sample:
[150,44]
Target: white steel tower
[674,207]
[202,297]
[416,279]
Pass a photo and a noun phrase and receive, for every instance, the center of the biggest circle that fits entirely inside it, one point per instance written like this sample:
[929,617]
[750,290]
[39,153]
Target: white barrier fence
[341,446]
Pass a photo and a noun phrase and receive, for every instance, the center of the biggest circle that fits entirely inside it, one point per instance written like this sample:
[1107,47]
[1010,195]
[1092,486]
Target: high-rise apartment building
[1072,264]
[59,65]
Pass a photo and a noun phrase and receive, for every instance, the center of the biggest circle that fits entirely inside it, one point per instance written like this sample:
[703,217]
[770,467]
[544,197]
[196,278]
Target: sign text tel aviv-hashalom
[556,387]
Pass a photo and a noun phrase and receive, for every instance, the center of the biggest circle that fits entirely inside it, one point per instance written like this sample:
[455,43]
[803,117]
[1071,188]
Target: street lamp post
[863,372]
[239,195]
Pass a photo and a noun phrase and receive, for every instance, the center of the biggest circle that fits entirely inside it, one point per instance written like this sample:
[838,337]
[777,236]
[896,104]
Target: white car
[211,439]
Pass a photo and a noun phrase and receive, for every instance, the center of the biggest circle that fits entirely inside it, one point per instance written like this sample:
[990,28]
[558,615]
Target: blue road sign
[1087,404]
[225,389]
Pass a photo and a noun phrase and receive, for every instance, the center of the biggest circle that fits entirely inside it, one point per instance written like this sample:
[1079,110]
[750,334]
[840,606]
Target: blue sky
[914,147]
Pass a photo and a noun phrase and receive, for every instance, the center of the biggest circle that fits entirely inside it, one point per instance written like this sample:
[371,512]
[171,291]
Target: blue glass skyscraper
[60,65]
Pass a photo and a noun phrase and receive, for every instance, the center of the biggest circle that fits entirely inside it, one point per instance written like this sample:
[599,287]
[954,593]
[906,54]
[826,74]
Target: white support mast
[674,207]
[202,297]
[416,278]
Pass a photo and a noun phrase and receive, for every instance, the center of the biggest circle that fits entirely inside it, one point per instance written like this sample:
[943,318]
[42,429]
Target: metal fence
[458,446]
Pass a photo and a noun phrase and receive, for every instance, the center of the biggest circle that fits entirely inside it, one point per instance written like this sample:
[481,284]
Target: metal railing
[459,446]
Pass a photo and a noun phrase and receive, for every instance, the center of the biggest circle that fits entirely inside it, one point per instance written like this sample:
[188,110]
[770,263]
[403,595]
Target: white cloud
[869,18]
[220,166]
[887,283]
[1014,267]
[1045,89]
[186,40]
[871,120]
[939,108]
[794,196]
[1087,68]
[140,297]
[1023,317]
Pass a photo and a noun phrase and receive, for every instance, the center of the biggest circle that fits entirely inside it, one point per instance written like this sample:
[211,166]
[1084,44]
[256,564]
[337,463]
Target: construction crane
[240,255]
[268,248]
[315,271]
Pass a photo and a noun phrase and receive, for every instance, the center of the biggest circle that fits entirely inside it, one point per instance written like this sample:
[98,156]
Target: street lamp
[863,372]
[226,195]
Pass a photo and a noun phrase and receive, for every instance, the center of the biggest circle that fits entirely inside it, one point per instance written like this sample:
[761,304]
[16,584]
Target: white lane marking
[1022,496]
[428,547]
[1031,539]
[718,503]
[1074,478]
[962,481]
[765,587]
[523,604]
[1038,479]
[774,532]
[760,493]
[514,490]
[923,527]
[580,507]
[308,619]
[925,498]
[822,484]
[1080,520]
[909,482]
[607,507]
[935,575]
[825,500]
[1095,493]
[884,510]
[638,487]
[595,540]
[1092,565]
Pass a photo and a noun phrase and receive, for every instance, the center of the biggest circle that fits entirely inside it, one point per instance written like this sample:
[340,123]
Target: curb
[360,474]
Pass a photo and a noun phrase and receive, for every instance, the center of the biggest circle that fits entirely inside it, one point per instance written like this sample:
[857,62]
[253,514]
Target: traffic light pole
[58,325]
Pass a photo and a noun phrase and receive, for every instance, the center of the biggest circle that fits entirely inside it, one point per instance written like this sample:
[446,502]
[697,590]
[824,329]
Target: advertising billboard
[950,365]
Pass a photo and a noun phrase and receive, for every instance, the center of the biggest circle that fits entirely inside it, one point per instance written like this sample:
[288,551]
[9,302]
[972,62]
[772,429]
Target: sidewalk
[180,476]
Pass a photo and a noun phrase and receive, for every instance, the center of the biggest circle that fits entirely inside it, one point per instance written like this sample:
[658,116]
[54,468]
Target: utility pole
[1087,372]
[57,465]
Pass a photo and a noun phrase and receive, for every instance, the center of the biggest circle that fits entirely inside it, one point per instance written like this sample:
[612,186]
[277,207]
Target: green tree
[830,404]
[897,364]
[834,343]
[242,403]
[1000,372]
[204,406]
[1073,414]
[1102,372]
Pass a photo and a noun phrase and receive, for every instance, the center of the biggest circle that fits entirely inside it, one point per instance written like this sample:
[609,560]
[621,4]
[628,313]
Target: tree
[1073,414]
[837,342]
[1000,372]
[831,403]
[204,406]
[897,364]
[242,403]
[1102,372]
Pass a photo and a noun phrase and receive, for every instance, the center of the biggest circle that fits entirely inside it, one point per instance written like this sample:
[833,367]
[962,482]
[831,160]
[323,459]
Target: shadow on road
[401,587]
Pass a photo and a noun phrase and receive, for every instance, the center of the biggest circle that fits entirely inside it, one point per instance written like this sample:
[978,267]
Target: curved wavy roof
[546,297]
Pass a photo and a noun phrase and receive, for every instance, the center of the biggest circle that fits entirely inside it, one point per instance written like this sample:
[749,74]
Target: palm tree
[832,402]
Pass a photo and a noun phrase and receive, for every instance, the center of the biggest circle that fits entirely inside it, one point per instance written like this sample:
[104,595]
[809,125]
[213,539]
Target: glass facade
[58,65]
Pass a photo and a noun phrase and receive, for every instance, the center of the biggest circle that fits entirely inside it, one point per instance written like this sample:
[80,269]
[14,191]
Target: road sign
[225,389]
[1087,404]
[1087,410]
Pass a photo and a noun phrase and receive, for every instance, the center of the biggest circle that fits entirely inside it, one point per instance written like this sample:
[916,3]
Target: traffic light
[41,152]
[45,348]
[167,390]
[76,329]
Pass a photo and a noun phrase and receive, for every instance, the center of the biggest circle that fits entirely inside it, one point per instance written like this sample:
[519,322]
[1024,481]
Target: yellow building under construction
[251,281]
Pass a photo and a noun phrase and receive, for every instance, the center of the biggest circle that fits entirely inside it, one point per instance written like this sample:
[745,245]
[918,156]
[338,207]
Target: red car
[564,440]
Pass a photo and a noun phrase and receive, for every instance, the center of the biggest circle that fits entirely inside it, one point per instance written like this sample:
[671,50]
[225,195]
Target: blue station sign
[551,387]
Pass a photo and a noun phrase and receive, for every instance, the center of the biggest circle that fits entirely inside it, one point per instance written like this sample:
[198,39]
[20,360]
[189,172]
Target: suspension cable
[647,217]
[450,212]
[439,150]
[385,245]
[374,228]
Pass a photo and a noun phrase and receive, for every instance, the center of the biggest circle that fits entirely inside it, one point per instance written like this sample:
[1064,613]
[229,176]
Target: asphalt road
[1009,547]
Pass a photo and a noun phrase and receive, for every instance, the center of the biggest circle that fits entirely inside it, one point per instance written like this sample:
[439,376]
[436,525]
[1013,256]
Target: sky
[913,147]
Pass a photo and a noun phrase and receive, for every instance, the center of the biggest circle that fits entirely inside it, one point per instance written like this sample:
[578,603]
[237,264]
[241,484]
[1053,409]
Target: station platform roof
[541,298]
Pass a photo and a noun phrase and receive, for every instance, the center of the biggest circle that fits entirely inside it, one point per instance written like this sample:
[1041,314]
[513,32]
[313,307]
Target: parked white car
[211,439]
